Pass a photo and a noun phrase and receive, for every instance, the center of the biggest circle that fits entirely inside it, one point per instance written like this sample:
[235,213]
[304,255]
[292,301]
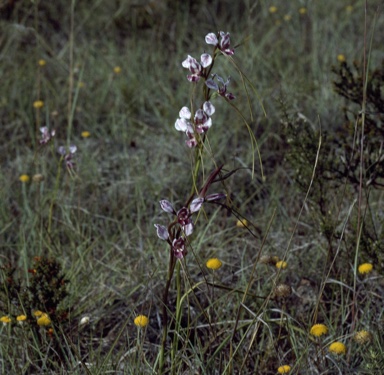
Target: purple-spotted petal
[193,78]
[187,62]
[209,109]
[211,38]
[191,143]
[162,232]
[167,206]
[206,60]
[196,205]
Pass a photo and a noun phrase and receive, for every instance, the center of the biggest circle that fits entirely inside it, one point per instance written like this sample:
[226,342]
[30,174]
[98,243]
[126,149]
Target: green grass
[97,222]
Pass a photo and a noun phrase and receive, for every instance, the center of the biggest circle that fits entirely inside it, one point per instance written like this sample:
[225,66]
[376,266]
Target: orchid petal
[167,206]
[162,232]
[214,197]
[209,108]
[196,205]
[188,229]
[206,60]
[72,149]
[185,113]
[211,84]
[211,38]
[61,150]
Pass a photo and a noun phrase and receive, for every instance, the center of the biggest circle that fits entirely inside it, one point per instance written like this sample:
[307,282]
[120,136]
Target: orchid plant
[195,123]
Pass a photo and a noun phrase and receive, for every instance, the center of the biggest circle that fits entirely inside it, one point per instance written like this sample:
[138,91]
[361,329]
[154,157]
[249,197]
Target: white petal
[196,205]
[211,38]
[181,125]
[209,108]
[72,149]
[187,62]
[208,123]
[206,60]
[185,113]
[188,229]
[167,206]
[61,150]
[162,232]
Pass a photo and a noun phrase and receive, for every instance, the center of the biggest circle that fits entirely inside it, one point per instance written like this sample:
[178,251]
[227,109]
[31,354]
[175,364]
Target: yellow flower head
[42,62]
[81,85]
[37,313]
[24,178]
[242,223]
[38,104]
[282,264]
[272,9]
[214,264]
[141,321]
[284,369]
[44,320]
[365,268]
[341,58]
[85,134]
[362,337]
[21,318]
[337,348]
[303,10]
[5,320]
[349,8]
[117,70]
[287,17]
[319,330]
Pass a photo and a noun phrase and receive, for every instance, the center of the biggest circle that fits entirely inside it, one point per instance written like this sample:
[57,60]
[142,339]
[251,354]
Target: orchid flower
[195,67]
[223,44]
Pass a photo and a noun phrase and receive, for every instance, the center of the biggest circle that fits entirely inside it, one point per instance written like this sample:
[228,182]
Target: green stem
[171,269]
[54,195]
[178,317]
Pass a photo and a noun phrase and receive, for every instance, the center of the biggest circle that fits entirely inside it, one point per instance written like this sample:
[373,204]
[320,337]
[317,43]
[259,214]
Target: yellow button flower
[303,10]
[21,318]
[284,369]
[141,321]
[85,134]
[24,178]
[242,223]
[214,264]
[319,330]
[281,264]
[42,62]
[37,313]
[44,320]
[38,104]
[117,70]
[272,9]
[337,348]
[365,268]
[5,320]
[341,58]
